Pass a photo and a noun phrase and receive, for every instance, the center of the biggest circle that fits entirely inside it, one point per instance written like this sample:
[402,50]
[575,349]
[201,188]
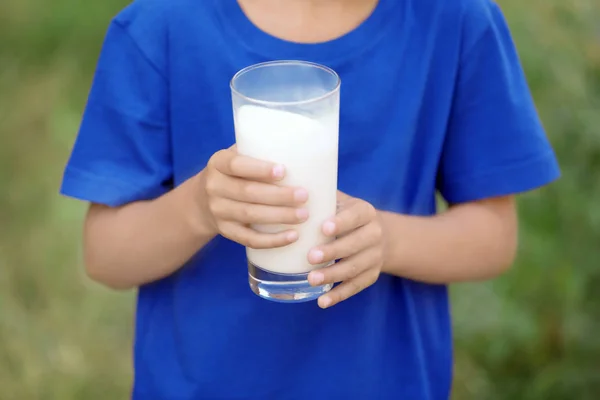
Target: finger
[257,192]
[348,288]
[256,240]
[246,213]
[346,269]
[345,246]
[353,216]
[228,162]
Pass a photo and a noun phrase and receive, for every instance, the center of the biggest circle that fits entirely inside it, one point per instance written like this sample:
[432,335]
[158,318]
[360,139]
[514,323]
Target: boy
[433,99]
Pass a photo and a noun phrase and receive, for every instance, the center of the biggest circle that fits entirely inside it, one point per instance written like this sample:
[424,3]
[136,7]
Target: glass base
[283,288]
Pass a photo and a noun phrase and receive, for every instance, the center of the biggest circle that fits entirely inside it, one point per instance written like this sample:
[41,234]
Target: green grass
[531,335]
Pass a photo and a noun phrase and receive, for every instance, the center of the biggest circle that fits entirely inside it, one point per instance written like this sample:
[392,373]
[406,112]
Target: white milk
[309,151]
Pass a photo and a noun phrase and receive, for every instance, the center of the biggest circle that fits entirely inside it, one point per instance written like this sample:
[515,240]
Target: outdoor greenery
[533,334]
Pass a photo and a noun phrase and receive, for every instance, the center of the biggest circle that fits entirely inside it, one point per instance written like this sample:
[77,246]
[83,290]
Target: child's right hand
[240,191]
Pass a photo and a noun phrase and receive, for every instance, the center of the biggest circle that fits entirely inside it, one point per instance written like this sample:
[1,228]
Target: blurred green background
[534,334]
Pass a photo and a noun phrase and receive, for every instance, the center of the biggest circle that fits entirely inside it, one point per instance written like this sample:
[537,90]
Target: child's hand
[239,191]
[359,245]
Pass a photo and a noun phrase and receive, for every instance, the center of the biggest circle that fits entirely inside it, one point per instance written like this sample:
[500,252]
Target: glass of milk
[287,112]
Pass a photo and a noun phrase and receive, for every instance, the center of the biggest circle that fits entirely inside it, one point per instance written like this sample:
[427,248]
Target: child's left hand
[359,245]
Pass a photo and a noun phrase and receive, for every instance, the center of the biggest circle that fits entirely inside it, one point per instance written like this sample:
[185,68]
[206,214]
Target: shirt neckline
[270,47]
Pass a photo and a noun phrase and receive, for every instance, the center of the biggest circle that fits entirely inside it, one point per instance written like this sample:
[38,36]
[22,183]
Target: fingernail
[291,236]
[278,171]
[315,256]
[302,214]
[324,302]
[317,278]
[300,195]
[329,228]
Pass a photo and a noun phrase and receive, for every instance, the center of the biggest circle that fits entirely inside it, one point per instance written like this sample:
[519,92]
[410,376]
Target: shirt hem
[509,180]
[86,186]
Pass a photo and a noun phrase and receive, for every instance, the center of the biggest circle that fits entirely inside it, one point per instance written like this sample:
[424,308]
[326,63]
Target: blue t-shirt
[433,100]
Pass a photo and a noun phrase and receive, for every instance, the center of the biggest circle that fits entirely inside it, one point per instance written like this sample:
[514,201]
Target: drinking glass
[287,112]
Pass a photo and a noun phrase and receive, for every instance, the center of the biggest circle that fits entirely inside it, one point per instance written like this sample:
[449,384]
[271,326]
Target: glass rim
[252,67]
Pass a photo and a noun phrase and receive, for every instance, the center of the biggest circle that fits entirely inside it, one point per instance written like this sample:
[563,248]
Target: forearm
[469,242]
[143,241]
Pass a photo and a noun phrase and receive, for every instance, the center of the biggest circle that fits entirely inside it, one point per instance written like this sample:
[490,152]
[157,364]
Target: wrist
[387,240]
[191,203]
[396,237]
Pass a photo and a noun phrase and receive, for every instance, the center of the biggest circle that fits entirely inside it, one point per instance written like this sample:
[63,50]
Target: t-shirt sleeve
[495,144]
[122,151]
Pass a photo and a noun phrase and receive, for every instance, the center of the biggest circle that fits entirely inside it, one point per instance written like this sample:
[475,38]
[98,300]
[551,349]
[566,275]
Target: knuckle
[286,194]
[344,221]
[249,214]
[284,216]
[233,163]
[337,297]
[352,269]
[364,237]
[377,231]
[355,286]
[266,170]
[291,216]
[248,190]
[210,186]
[356,217]
[214,207]
[329,253]
[277,240]
[370,211]
[254,242]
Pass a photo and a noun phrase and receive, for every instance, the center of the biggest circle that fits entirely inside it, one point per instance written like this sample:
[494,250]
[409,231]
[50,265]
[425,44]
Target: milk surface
[309,151]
